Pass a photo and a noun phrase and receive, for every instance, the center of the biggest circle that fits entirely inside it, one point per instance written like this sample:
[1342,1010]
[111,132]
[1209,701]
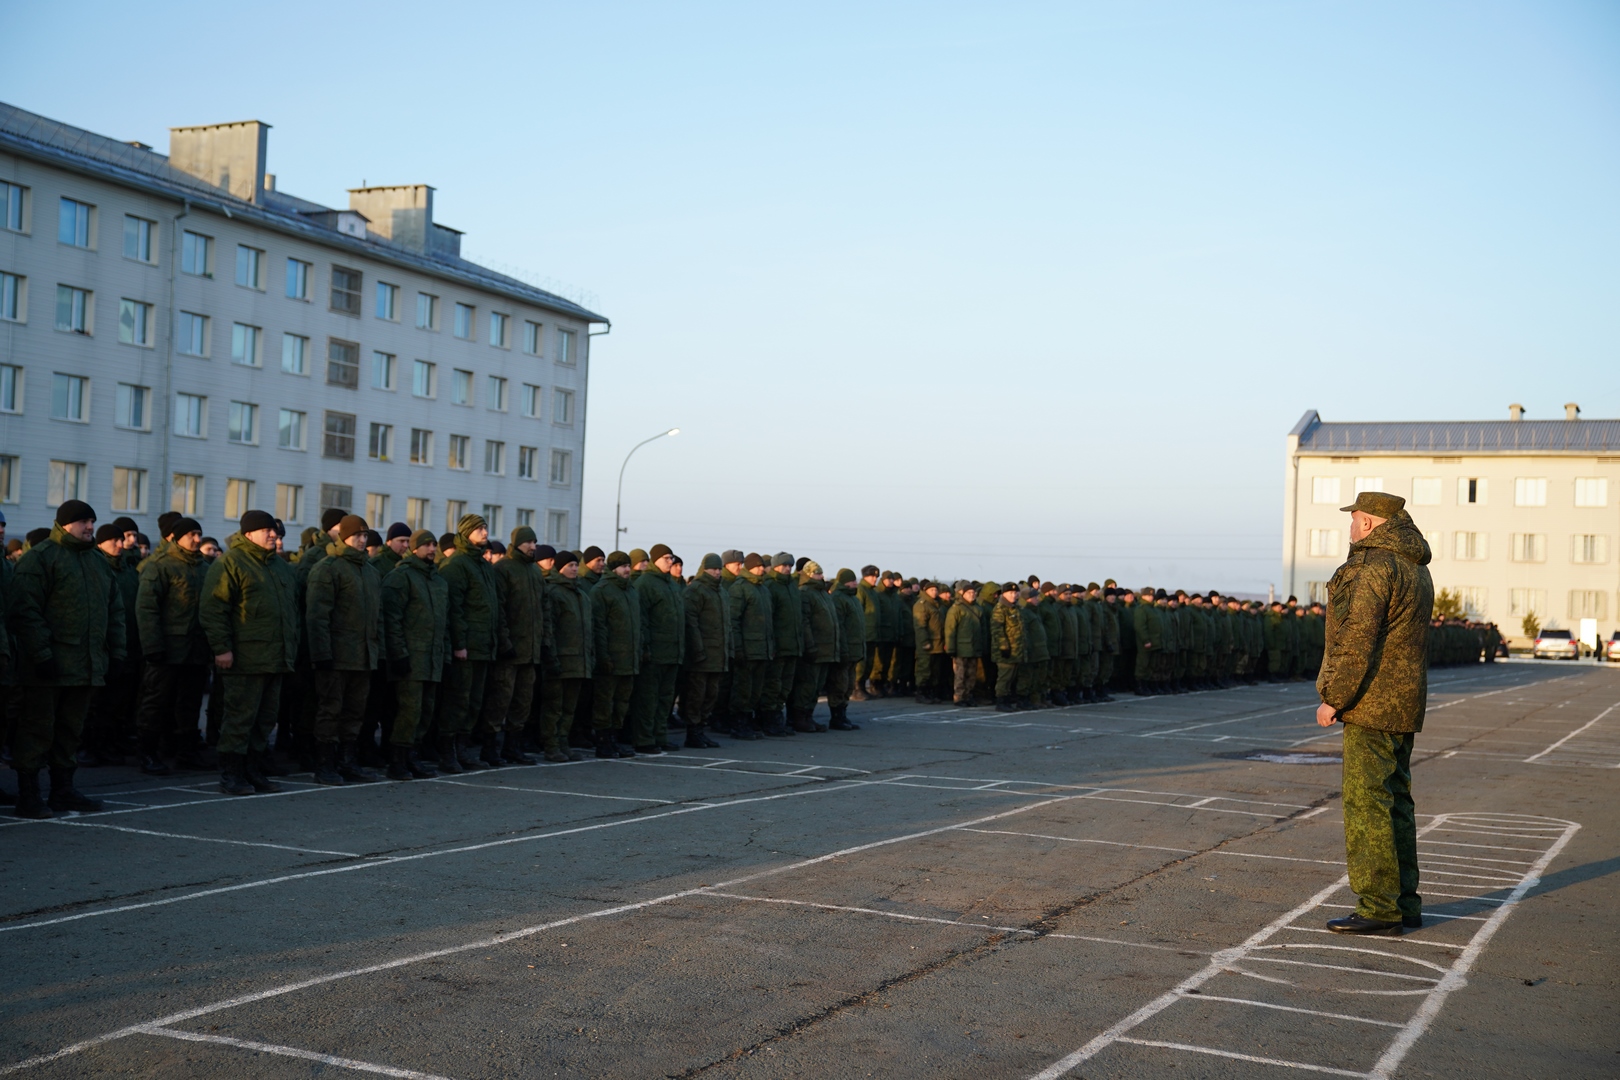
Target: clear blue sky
[960,289]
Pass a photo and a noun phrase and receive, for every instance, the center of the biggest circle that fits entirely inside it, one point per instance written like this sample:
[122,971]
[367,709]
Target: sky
[959,290]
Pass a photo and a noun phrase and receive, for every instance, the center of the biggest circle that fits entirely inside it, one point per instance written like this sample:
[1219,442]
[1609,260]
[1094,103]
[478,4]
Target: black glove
[507,653]
[1006,653]
[400,668]
[45,670]
[323,665]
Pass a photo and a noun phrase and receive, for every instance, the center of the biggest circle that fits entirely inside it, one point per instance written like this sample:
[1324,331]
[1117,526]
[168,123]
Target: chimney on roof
[402,214]
[1572,411]
[229,156]
[1515,412]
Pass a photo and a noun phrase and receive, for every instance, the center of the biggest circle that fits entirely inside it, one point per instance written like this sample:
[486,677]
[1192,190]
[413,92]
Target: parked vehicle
[1611,652]
[1556,645]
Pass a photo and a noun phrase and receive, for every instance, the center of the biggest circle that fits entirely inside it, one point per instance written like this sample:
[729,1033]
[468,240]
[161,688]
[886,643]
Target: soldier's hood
[1400,535]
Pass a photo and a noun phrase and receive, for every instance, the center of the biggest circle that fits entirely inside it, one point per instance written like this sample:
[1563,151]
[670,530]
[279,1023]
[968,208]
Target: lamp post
[618,499]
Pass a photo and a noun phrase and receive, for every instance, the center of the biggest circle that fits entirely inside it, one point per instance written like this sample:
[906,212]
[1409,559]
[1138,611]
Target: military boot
[349,766]
[326,765]
[1059,699]
[64,796]
[233,775]
[265,763]
[1005,705]
[769,723]
[698,739]
[255,775]
[422,770]
[489,749]
[29,804]
[466,755]
[512,752]
[446,746]
[841,721]
[399,764]
[801,721]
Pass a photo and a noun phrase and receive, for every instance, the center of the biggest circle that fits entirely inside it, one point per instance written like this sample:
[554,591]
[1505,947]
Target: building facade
[1522,515]
[175,333]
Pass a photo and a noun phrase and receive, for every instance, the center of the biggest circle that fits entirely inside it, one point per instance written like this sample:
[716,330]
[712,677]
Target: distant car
[1556,645]
[1612,651]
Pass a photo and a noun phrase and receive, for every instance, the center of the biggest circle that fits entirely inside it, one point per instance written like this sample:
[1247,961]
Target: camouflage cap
[1377,503]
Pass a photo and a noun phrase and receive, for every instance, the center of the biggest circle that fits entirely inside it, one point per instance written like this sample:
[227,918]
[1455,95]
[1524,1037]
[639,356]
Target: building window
[297,279]
[1530,491]
[1588,604]
[416,513]
[13,297]
[249,267]
[11,396]
[387,301]
[192,338]
[460,452]
[492,519]
[1316,592]
[70,398]
[427,311]
[1325,490]
[557,528]
[376,509]
[1472,598]
[532,338]
[294,354]
[1471,546]
[129,490]
[565,346]
[497,394]
[138,238]
[66,480]
[1590,549]
[191,415]
[1522,602]
[346,290]
[196,253]
[523,517]
[382,371]
[238,498]
[135,323]
[243,426]
[1529,547]
[382,442]
[292,426]
[290,502]
[1591,491]
[339,444]
[461,387]
[11,206]
[10,489]
[73,223]
[497,329]
[531,401]
[562,407]
[245,344]
[1369,483]
[1471,491]
[424,379]
[421,447]
[464,321]
[133,407]
[342,363]
[337,497]
[494,457]
[1324,543]
[185,494]
[528,462]
[1426,491]
[73,309]
[454,511]
[562,467]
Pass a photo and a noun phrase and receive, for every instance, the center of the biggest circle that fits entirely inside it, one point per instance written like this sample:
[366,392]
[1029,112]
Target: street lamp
[619,530]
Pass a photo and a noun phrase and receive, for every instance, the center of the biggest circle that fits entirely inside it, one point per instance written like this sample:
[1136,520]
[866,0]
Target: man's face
[211,550]
[933,592]
[191,541]
[528,546]
[968,595]
[426,552]
[664,563]
[713,573]
[132,540]
[478,536]
[642,565]
[734,568]
[546,564]
[595,565]
[570,570]
[81,530]
[401,544]
[357,541]
[264,538]
[870,579]
[1361,524]
[944,596]
[1009,595]
[623,570]
[490,556]
[113,546]
[758,571]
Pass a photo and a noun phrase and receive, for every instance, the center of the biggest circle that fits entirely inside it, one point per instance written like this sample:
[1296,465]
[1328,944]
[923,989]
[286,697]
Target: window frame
[145,230]
[353,299]
[500,330]
[83,225]
[470,311]
[81,310]
[495,449]
[388,364]
[562,402]
[255,351]
[421,454]
[17,204]
[238,411]
[459,449]
[302,432]
[82,384]
[255,267]
[300,271]
[188,252]
[332,442]
[418,367]
[124,398]
[390,290]
[336,365]
[201,413]
[565,457]
[197,321]
[461,380]
[144,316]
[380,449]
[15,383]
[121,502]
[13,297]
[432,300]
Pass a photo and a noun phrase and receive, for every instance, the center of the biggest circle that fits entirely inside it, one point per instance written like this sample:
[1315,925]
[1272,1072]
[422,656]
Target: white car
[1556,645]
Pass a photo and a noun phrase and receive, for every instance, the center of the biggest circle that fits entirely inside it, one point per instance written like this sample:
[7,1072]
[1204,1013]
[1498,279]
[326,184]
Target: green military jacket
[416,617]
[343,610]
[616,624]
[663,616]
[852,637]
[477,622]
[572,628]
[127,580]
[928,624]
[1035,640]
[787,614]
[1086,628]
[523,602]
[1008,643]
[1111,634]
[249,609]
[753,626]
[1198,627]
[8,656]
[891,615]
[385,561]
[1375,670]
[871,609]
[1053,626]
[821,622]
[166,604]
[708,635]
[964,630]
[66,608]
[1147,620]
[1169,627]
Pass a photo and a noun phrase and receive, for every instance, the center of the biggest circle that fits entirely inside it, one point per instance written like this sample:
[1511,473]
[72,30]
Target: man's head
[331,517]
[187,533]
[620,563]
[545,556]
[77,519]
[568,564]
[210,548]
[869,574]
[424,545]
[710,565]
[1370,510]
[845,579]
[754,565]
[259,529]
[524,540]
[782,563]
[810,569]
[593,559]
[351,531]
[398,539]
[110,539]
[661,557]
[473,529]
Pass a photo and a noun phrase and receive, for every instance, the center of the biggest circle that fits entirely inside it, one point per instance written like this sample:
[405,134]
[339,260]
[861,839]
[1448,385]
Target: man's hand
[459,654]
[1325,715]
[223,660]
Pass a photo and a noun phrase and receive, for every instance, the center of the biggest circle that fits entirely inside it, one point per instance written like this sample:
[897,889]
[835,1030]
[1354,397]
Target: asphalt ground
[1134,889]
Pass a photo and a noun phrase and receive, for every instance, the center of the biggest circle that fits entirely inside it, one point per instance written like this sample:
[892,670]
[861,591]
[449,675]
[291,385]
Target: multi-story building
[176,333]
[1521,515]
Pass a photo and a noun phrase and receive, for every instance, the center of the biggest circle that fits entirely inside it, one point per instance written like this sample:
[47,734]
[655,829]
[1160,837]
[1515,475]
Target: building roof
[53,142]
[1316,436]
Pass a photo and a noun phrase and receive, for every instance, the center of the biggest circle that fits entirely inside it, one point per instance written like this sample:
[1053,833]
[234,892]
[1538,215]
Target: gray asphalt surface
[1118,890]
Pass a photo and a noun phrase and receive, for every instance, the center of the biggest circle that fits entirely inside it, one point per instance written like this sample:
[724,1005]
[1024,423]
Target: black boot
[489,749]
[326,765]
[265,764]
[447,754]
[256,776]
[349,766]
[153,765]
[233,775]
[399,764]
[698,739]
[512,752]
[771,724]
[1005,705]
[465,754]
[801,721]
[65,797]
[29,804]
[605,746]
[840,720]
[422,770]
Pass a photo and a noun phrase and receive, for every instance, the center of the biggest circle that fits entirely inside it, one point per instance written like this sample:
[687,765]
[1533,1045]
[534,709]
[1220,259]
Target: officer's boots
[233,775]
[349,766]
[772,724]
[256,776]
[326,765]
[801,720]
[697,738]
[489,751]
[512,751]
[1004,704]
[29,804]
[152,763]
[840,719]
[64,796]
[399,764]
[466,755]
[446,746]
[422,770]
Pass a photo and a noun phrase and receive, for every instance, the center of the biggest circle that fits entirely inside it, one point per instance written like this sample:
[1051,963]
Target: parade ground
[1132,889]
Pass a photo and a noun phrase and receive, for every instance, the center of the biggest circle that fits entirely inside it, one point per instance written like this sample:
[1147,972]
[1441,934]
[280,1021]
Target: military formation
[359,656]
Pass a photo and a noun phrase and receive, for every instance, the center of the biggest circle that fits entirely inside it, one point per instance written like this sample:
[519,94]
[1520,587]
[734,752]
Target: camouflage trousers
[651,702]
[840,681]
[967,673]
[1380,828]
[1105,668]
[779,673]
[1006,679]
[415,700]
[1034,679]
[49,727]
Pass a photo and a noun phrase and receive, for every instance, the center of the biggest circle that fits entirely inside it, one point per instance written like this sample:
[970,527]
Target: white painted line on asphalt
[1293,1009]
[1462,896]
[1571,735]
[1081,840]
[291,1051]
[1487,847]
[204,839]
[553,791]
[1240,1057]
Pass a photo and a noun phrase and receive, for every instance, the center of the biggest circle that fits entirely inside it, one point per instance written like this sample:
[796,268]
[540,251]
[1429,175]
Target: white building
[1522,515]
[176,333]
